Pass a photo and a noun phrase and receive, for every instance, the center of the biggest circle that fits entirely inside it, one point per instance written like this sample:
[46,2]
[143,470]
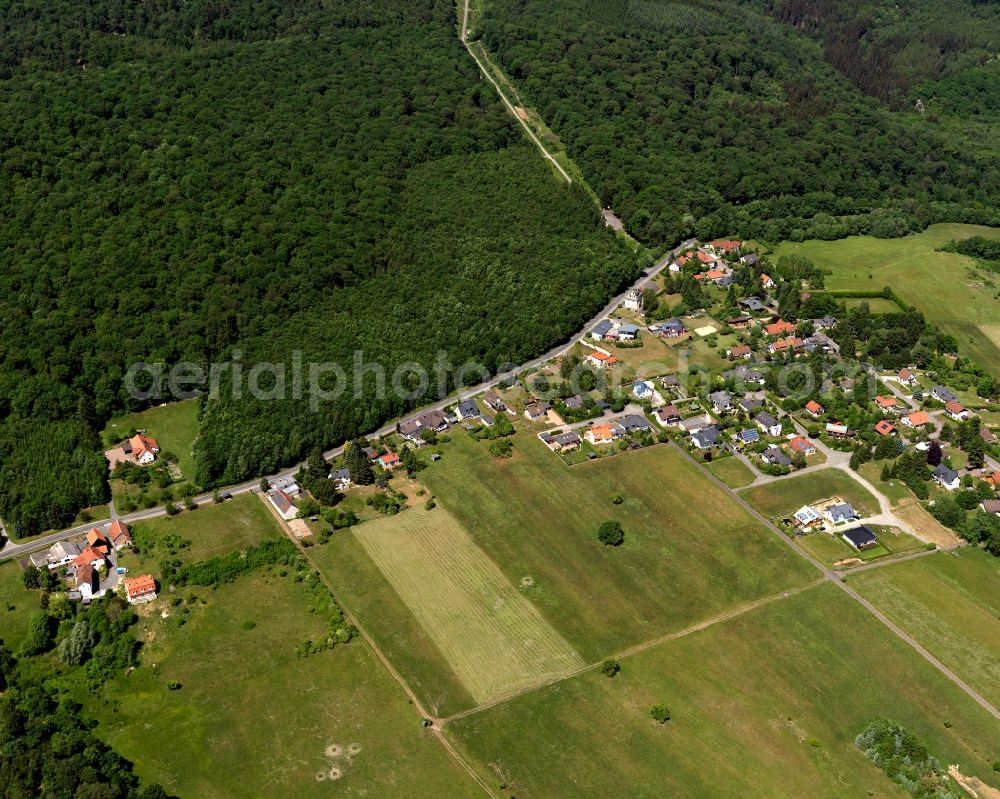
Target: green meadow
[949,602]
[173,425]
[789,494]
[689,551]
[937,283]
[765,704]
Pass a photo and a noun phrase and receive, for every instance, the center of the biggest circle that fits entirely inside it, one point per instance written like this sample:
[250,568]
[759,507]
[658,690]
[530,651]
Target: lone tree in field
[660,713]
[610,534]
[610,667]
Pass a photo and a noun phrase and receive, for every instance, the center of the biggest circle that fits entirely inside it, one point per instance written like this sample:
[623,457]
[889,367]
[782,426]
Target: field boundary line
[636,649]
[381,657]
[838,580]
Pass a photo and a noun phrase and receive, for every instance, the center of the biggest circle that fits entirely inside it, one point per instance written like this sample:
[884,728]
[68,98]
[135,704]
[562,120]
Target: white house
[633,300]
[768,423]
[283,504]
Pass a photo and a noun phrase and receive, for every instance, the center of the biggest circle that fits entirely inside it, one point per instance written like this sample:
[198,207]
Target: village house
[722,402]
[776,457]
[601,330]
[291,487]
[283,503]
[86,582]
[840,513]
[821,343]
[119,534]
[627,332]
[434,421]
[633,300]
[740,322]
[672,328]
[707,437]
[62,553]
[942,394]
[789,344]
[768,424]
[947,478]
[957,411]
[494,402]
[724,246]
[837,430]
[633,423]
[561,442]
[860,538]
[668,415]
[602,433]
[341,479]
[807,517]
[906,377]
[536,410]
[706,257]
[643,389]
[887,404]
[142,448]
[601,360]
[766,281]
[750,404]
[745,375]
[779,328]
[916,419]
[753,305]
[745,438]
[389,461]
[140,589]
[824,323]
[695,423]
[987,435]
[885,428]
[739,351]
[991,506]
[814,409]
[466,409]
[802,445]
[750,259]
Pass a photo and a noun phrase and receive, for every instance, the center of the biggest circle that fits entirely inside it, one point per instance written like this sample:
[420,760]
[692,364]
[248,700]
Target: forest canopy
[716,118]
[181,180]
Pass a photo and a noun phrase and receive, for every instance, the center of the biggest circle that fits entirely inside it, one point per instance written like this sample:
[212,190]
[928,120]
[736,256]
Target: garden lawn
[936,283]
[174,426]
[788,494]
[731,471]
[689,550]
[212,530]
[949,602]
[765,704]
[253,719]
[16,604]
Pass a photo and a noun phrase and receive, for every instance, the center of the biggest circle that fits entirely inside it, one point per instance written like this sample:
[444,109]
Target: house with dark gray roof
[768,423]
[600,330]
[633,423]
[860,538]
[776,457]
[943,394]
[707,437]
[947,478]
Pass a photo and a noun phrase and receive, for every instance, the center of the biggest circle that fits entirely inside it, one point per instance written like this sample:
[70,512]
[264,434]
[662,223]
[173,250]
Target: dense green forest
[714,117]
[180,179]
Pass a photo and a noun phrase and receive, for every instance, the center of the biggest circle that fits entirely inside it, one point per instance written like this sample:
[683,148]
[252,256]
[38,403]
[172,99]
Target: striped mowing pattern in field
[494,638]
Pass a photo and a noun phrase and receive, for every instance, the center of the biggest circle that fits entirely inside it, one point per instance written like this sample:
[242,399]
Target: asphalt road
[14,550]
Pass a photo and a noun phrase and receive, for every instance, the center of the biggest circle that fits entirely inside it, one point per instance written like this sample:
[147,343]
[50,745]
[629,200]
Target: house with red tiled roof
[802,445]
[887,403]
[916,419]
[98,541]
[739,351]
[601,359]
[87,581]
[885,428]
[143,448]
[766,281]
[140,589]
[89,557]
[601,434]
[813,408]
[119,534]
[789,344]
[779,328]
[725,245]
[389,461]
[906,376]
[705,257]
[956,411]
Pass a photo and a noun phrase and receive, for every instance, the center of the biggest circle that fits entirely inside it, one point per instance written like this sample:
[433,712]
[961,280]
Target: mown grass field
[364,589]
[16,604]
[210,531]
[491,635]
[936,283]
[950,602]
[767,704]
[789,494]
[731,471]
[174,426]
[689,550]
[252,719]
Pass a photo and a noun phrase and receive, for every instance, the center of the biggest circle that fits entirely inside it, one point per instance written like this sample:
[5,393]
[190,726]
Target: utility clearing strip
[492,636]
